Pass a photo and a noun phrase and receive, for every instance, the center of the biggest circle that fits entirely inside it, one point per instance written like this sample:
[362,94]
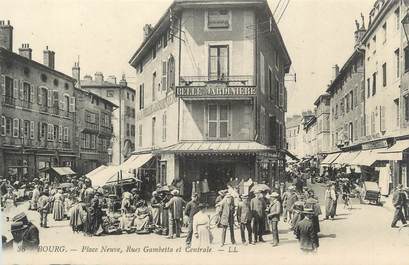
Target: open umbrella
[260,187]
[65,185]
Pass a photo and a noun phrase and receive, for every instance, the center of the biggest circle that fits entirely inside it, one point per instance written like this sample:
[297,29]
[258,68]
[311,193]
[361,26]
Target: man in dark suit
[244,218]
[306,233]
[398,203]
[192,208]
[274,216]
[258,211]
[175,206]
[227,218]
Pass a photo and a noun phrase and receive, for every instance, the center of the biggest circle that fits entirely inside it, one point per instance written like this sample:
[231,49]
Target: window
[164,122]
[65,134]
[141,96]
[171,73]
[16,127]
[50,132]
[262,124]
[140,135]
[43,130]
[384,32]
[153,130]
[90,117]
[218,62]
[373,84]
[406,98]
[132,130]
[164,75]
[397,111]
[60,132]
[165,39]
[270,84]
[86,139]
[72,104]
[133,97]
[347,103]
[153,86]
[406,59]
[218,19]
[110,93]
[368,85]
[93,141]
[9,88]
[28,92]
[262,74]
[397,18]
[56,132]
[154,52]
[218,121]
[384,74]
[397,63]
[373,123]
[127,129]
[3,126]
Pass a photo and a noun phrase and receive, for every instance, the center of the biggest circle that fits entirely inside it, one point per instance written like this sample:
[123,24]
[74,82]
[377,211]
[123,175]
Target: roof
[35,64]
[103,84]
[180,4]
[217,147]
[326,95]
[95,95]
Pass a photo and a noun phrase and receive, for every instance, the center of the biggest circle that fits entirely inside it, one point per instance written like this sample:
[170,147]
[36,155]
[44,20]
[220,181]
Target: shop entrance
[217,174]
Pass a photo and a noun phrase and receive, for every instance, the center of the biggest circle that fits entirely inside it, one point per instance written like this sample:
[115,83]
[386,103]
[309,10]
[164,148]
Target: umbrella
[65,185]
[260,187]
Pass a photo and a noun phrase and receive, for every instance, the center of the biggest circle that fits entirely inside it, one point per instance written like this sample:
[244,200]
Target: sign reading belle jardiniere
[214,91]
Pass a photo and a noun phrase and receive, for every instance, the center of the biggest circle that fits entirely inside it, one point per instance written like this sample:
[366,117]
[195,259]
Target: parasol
[260,187]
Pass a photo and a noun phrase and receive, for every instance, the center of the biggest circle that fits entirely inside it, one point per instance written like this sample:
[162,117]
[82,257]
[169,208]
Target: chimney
[147,30]
[111,79]
[76,72]
[99,78]
[335,71]
[88,78]
[6,35]
[123,81]
[25,51]
[49,58]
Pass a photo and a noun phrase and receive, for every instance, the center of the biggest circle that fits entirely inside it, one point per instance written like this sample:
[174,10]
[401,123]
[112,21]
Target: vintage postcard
[204,131]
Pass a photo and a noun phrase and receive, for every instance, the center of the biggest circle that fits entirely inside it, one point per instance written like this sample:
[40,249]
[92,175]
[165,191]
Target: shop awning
[217,147]
[293,157]
[63,171]
[346,158]
[396,151]
[368,157]
[95,171]
[123,172]
[330,158]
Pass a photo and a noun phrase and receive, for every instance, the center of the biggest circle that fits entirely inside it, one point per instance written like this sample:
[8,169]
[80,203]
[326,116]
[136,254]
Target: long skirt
[155,216]
[9,209]
[58,210]
[330,208]
[141,222]
[205,238]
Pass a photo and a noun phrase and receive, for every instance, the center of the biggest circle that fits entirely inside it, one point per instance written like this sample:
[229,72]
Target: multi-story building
[37,111]
[294,135]
[323,113]
[123,117]
[310,137]
[93,130]
[211,97]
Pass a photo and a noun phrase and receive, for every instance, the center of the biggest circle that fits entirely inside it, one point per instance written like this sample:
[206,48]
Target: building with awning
[58,174]
[346,158]
[329,159]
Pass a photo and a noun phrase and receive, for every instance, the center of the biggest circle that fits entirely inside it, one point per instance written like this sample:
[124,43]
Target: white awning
[95,171]
[63,171]
[396,151]
[100,178]
[330,158]
[346,158]
[368,157]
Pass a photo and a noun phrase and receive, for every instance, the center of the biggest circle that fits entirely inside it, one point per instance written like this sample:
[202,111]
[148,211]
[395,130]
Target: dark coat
[306,235]
[192,208]
[244,212]
[258,207]
[227,212]
[397,199]
[31,237]
[175,205]
[274,211]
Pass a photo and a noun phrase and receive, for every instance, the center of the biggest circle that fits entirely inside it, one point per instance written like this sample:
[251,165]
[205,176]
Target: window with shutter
[66,134]
[16,127]
[164,75]
[31,93]
[49,98]
[60,134]
[32,130]
[72,104]
[3,84]
[3,126]
[39,96]
[382,118]
[50,132]
[21,90]
[15,88]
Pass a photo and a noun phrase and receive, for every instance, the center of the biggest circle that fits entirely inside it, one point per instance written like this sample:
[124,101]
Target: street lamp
[405,20]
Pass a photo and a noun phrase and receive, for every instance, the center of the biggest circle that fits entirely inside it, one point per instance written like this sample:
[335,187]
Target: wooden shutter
[60,133]
[164,75]
[49,97]
[31,93]
[3,84]
[281,92]
[39,96]
[16,127]
[21,89]
[382,118]
[72,104]
[15,88]
[3,126]
[31,129]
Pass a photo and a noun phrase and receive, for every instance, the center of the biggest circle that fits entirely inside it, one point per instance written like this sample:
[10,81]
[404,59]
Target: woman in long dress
[201,229]
[155,206]
[58,208]
[142,217]
[9,202]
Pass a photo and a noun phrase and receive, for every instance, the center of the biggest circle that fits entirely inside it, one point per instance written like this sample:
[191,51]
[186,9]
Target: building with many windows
[323,113]
[37,111]
[211,97]
[123,117]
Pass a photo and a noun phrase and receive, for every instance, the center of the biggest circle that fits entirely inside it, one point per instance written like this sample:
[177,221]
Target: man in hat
[258,210]
[330,198]
[398,203]
[155,204]
[312,203]
[244,218]
[192,208]
[227,218]
[306,233]
[285,196]
[292,198]
[28,232]
[34,198]
[43,207]
[175,206]
[273,215]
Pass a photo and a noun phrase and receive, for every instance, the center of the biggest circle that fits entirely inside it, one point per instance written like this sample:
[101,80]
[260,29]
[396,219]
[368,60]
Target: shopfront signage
[375,145]
[215,91]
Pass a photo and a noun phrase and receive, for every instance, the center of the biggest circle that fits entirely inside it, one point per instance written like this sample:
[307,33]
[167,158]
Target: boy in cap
[244,218]
[273,215]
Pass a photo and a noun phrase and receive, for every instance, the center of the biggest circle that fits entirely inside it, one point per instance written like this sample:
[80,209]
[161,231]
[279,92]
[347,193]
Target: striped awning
[217,147]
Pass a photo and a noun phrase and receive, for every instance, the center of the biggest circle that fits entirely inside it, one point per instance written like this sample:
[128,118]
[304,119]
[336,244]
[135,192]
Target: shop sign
[215,91]
[375,145]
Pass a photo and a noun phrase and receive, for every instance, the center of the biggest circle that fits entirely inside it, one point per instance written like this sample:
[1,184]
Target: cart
[370,192]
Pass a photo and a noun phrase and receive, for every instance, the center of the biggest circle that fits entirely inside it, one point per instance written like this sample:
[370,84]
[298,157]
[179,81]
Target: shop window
[218,62]
[218,121]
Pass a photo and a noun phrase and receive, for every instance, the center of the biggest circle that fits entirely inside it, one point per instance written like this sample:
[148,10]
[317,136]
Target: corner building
[211,98]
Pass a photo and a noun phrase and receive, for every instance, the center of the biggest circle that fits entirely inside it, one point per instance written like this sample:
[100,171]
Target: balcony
[16,142]
[232,80]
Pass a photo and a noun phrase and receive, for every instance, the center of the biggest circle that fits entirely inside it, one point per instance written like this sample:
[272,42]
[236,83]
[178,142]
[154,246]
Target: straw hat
[274,195]
[174,192]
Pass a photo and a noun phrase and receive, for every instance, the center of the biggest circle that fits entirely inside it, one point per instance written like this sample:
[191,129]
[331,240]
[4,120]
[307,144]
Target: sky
[105,33]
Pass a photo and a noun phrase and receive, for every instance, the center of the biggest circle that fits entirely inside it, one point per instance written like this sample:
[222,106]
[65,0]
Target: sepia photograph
[204,132]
